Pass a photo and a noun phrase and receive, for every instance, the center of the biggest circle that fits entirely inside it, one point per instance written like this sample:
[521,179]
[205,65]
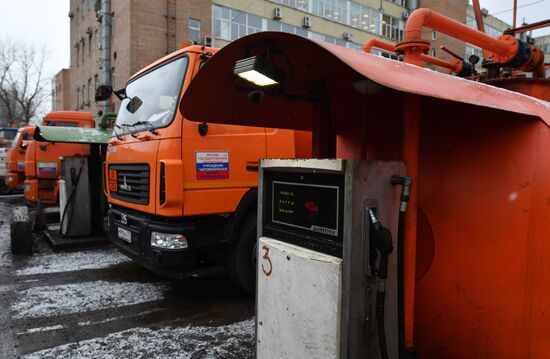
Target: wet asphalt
[72,305]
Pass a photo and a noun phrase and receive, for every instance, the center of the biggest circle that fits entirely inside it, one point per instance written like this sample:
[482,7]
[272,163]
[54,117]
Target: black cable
[406,183]
[401,284]
[71,198]
[380,299]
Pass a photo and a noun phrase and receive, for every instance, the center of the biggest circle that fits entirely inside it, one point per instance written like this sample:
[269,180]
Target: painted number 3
[267,267]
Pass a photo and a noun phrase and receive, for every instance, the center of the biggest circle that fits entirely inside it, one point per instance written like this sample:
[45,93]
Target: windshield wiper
[117,135]
[142,123]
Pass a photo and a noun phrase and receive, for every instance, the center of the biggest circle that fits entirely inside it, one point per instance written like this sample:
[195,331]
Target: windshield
[16,140]
[152,98]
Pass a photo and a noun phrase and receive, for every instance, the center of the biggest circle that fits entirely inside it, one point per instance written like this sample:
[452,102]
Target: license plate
[125,235]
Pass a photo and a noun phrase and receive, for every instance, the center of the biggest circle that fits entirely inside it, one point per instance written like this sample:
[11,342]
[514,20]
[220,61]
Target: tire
[241,257]
[21,238]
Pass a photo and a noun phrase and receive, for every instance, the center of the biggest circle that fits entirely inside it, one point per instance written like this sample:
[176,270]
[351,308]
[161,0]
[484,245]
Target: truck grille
[132,182]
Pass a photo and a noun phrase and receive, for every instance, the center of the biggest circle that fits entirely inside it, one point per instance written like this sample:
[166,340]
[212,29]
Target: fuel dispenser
[327,281]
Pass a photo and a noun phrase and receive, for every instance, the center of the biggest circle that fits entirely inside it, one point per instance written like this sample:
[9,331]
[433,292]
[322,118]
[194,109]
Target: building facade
[543,42]
[61,90]
[145,30]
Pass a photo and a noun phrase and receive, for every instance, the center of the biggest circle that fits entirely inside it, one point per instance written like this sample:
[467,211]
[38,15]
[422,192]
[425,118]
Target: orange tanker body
[16,158]
[183,195]
[476,250]
[42,163]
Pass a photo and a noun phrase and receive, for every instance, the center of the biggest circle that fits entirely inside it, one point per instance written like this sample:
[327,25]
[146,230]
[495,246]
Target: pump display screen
[308,206]
[305,209]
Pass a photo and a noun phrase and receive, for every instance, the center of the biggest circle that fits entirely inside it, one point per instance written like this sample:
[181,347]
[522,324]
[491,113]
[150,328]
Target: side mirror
[134,104]
[103,93]
[203,129]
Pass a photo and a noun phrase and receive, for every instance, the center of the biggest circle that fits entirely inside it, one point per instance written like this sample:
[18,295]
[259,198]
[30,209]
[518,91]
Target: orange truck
[42,164]
[15,177]
[183,195]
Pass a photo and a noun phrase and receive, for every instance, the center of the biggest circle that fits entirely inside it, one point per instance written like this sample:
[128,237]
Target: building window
[434,35]
[273,25]
[231,24]
[90,91]
[77,15]
[434,52]
[83,48]
[194,30]
[399,2]
[77,98]
[392,28]
[77,55]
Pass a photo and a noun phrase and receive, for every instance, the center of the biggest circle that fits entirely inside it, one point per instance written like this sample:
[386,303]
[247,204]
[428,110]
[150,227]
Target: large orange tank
[476,268]
[182,194]
[42,163]
[16,158]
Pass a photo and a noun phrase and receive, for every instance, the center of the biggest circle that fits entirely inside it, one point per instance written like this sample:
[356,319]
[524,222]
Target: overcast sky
[45,23]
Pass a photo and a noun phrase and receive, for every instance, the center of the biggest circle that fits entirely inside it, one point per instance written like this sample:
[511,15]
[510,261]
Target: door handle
[252,166]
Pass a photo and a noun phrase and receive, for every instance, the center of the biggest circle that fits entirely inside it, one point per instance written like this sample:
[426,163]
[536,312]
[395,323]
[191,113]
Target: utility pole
[106,27]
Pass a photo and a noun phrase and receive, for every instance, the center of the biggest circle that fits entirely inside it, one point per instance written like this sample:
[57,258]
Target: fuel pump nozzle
[380,242]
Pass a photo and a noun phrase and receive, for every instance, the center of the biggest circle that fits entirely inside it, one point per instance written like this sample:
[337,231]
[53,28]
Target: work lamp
[258,71]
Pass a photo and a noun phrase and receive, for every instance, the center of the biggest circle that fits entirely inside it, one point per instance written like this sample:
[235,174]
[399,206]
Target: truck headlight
[168,241]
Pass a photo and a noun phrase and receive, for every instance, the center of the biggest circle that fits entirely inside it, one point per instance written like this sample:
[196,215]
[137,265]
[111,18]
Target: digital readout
[308,206]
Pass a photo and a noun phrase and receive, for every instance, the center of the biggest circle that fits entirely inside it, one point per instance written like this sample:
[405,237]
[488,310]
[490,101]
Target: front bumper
[41,189]
[172,263]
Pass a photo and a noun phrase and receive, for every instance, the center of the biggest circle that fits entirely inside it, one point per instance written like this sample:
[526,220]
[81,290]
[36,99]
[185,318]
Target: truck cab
[42,164]
[15,177]
[182,195]
[7,135]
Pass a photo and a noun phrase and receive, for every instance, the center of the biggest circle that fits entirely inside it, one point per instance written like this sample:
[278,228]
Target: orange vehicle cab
[16,157]
[42,164]
[183,194]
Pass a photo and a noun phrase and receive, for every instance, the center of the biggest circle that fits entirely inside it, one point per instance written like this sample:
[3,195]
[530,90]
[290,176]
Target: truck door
[220,166]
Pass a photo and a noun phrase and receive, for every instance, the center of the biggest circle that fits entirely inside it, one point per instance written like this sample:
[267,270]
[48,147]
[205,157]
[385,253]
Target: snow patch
[230,341]
[62,299]
[72,261]
[41,329]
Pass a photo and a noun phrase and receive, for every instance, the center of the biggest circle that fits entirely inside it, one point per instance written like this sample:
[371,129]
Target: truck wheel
[21,238]
[241,257]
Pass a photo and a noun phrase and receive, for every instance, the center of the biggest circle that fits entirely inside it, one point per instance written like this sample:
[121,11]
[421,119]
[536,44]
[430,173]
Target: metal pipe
[479,22]
[454,66]
[479,17]
[515,14]
[106,27]
[378,44]
[529,27]
[427,18]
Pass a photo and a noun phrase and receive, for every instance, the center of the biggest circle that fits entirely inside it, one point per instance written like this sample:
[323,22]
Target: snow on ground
[72,261]
[62,299]
[41,329]
[230,341]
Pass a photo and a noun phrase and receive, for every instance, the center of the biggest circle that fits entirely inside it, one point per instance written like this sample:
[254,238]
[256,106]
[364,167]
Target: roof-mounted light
[258,71]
